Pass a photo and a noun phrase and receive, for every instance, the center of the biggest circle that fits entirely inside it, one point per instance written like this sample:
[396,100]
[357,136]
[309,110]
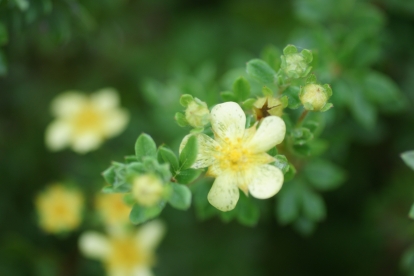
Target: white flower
[128,254]
[84,122]
[237,156]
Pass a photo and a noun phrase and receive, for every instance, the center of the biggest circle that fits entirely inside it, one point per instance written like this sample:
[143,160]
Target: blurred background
[152,51]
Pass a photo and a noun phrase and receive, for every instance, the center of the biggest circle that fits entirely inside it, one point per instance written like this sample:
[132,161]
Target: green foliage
[261,71]
[180,197]
[140,214]
[189,153]
[145,147]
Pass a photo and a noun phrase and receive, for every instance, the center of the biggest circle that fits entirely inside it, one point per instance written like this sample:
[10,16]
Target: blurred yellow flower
[59,208]
[112,209]
[237,156]
[147,189]
[126,254]
[83,122]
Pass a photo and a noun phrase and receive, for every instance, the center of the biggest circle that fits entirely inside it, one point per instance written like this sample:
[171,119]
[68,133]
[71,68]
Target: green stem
[302,117]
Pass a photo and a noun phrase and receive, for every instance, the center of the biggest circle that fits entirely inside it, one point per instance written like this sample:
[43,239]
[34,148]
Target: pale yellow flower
[127,254]
[237,156]
[59,208]
[112,209]
[84,122]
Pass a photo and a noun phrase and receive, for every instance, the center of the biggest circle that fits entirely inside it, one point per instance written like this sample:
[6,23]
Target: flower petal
[94,245]
[206,150]
[224,193]
[142,271]
[270,133]
[68,104]
[228,120]
[58,135]
[105,99]
[115,122]
[266,182]
[85,142]
[150,234]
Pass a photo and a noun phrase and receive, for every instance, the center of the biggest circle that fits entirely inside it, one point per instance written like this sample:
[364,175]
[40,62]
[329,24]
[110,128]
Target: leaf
[408,158]
[288,204]
[247,212]
[241,89]
[248,104]
[228,96]
[126,188]
[261,71]
[324,175]
[180,119]
[271,55]
[187,176]
[411,213]
[313,205]
[169,157]
[304,226]
[109,175]
[145,146]
[186,99]
[140,214]
[180,197]
[292,93]
[189,153]
[282,163]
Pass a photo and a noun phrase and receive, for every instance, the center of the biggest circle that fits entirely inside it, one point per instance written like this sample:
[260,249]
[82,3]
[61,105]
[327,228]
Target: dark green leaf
[313,205]
[271,55]
[261,71]
[241,89]
[140,214]
[187,176]
[189,153]
[282,163]
[288,203]
[109,175]
[324,175]
[228,96]
[180,197]
[169,157]
[145,146]
[247,212]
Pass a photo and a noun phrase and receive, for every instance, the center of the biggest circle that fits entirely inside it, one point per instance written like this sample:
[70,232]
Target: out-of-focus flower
[112,209]
[237,156]
[59,208]
[197,113]
[83,122]
[147,189]
[127,254]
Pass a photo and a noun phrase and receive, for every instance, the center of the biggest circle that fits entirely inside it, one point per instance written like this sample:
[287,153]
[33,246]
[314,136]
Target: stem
[302,117]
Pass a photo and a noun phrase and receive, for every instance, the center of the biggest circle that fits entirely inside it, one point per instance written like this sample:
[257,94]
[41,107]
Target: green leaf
[267,91]
[169,157]
[126,188]
[313,205]
[145,146]
[271,55]
[241,89]
[288,203]
[228,96]
[140,214]
[186,99]
[301,136]
[109,175]
[290,174]
[304,226]
[324,175]
[130,159]
[189,153]
[311,79]
[411,213]
[326,107]
[180,119]
[292,93]
[247,212]
[302,150]
[4,38]
[180,197]
[282,163]
[290,49]
[261,71]
[408,158]
[248,104]
[362,110]
[307,55]
[187,176]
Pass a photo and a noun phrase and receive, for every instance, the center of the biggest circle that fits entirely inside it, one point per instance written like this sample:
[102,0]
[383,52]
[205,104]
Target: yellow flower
[147,189]
[112,209]
[237,156]
[59,208]
[128,254]
[84,122]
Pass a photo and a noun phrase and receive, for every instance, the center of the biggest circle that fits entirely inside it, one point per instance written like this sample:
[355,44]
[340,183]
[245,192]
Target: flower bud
[294,64]
[147,189]
[197,113]
[267,106]
[314,96]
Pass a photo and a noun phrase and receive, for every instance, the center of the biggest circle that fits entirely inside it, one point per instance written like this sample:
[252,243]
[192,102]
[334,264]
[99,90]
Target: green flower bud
[268,106]
[147,189]
[197,113]
[294,64]
[315,97]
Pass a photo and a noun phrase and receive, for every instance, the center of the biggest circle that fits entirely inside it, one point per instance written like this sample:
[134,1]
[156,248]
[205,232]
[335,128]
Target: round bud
[313,96]
[147,189]
[197,113]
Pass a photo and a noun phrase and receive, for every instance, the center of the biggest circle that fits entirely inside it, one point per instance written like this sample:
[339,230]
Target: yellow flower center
[126,254]
[233,155]
[87,118]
